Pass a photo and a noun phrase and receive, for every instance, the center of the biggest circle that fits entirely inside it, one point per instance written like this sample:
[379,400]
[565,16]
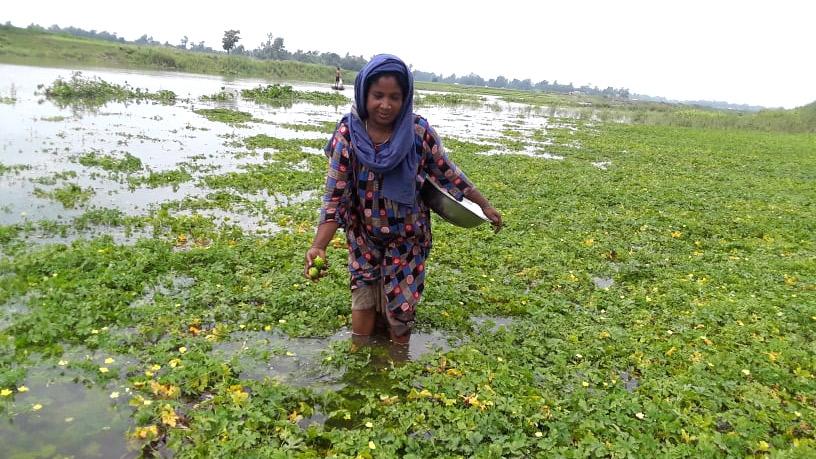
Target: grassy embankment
[26,47]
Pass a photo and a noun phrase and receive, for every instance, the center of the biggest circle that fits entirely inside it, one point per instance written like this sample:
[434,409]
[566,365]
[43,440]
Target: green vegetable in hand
[319,263]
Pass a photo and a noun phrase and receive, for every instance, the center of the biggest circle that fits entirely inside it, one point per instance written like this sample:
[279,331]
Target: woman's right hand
[311,254]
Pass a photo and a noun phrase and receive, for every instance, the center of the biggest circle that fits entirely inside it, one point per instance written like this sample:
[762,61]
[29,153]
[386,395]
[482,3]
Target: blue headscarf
[396,160]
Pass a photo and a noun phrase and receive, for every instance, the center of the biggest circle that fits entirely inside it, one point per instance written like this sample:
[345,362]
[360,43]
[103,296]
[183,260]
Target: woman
[380,154]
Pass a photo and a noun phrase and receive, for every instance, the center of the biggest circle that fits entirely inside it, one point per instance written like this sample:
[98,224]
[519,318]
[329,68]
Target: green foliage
[231,37]
[282,95]
[325,127]
[448,99]
[700,346]
[70,195]
[164,178]
[225,115]
[94,92]
[127,164]
[221,96]
[16,168]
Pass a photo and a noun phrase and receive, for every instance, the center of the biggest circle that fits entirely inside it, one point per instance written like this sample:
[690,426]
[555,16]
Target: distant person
[337,78]
[380,155]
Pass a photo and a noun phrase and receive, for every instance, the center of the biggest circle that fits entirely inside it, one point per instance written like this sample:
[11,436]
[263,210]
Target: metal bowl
[465,213]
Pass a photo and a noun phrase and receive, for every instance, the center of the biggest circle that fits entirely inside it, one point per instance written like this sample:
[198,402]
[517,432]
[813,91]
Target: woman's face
[384,101]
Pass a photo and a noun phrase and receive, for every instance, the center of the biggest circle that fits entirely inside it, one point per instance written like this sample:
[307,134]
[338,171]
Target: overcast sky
[752,52]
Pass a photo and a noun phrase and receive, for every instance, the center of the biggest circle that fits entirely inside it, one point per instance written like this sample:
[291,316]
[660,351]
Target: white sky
[753,52]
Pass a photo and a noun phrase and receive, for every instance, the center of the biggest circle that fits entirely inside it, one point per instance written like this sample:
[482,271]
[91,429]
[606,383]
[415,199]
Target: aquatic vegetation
[54,119]
[221,96]
[276,94]
[54,178]
[273,177]
[16,168]
[95,92]
[326,127]
[70,195]
[447,99]
[163,178]
[127,164]
[662,306]
[225,115]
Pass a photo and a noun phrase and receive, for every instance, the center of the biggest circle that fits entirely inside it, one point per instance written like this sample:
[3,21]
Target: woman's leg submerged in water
[368,305]
[362,325]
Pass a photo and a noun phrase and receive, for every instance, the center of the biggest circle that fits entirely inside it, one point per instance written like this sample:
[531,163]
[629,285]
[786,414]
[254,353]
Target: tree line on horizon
[274,48]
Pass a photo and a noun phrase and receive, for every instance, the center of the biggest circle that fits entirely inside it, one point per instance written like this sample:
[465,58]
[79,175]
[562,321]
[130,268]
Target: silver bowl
[466,213]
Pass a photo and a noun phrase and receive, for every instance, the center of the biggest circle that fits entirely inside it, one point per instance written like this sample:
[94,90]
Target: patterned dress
[387,240]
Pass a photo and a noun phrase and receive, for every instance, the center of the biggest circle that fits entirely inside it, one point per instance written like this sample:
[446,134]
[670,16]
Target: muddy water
[304,362]
[59,412]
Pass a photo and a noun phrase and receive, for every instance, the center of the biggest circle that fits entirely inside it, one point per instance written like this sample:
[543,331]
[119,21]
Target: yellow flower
[6,392]
[746,372]
[282,321]
[267,327]
[763,445]
[146,432]
[369,424]
[169,416]
[114,394]
[109,361]
[371,445]
[182,350]
[103,369]
[676,234]
[22,389]
[36,407]
[155,367]
[640,415]
[585,384]
[174,363]
[62,363]
[539,434]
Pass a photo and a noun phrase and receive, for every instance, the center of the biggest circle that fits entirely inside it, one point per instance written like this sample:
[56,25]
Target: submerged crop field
[652,295]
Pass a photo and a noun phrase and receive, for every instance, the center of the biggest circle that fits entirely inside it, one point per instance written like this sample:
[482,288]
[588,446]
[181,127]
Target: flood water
[63,412]
[42,139]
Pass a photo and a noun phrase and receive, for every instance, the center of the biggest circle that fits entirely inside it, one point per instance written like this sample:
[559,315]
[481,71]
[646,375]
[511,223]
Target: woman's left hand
[495,218]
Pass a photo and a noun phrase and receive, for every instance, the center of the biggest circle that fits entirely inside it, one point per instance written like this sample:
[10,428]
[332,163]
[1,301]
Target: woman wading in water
[380,154]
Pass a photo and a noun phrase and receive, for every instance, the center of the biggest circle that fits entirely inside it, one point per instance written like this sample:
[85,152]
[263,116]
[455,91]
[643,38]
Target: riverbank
[27,47]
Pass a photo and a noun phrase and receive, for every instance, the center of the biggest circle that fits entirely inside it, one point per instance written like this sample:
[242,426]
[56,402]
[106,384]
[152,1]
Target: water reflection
[300,362]
[60,415]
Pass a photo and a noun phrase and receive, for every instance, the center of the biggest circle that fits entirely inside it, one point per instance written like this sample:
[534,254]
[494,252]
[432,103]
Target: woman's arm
[490,212]
[335,197]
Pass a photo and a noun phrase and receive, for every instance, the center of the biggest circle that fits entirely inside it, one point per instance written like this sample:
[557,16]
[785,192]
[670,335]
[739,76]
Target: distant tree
[184,41]
[277,46]
[230,39]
